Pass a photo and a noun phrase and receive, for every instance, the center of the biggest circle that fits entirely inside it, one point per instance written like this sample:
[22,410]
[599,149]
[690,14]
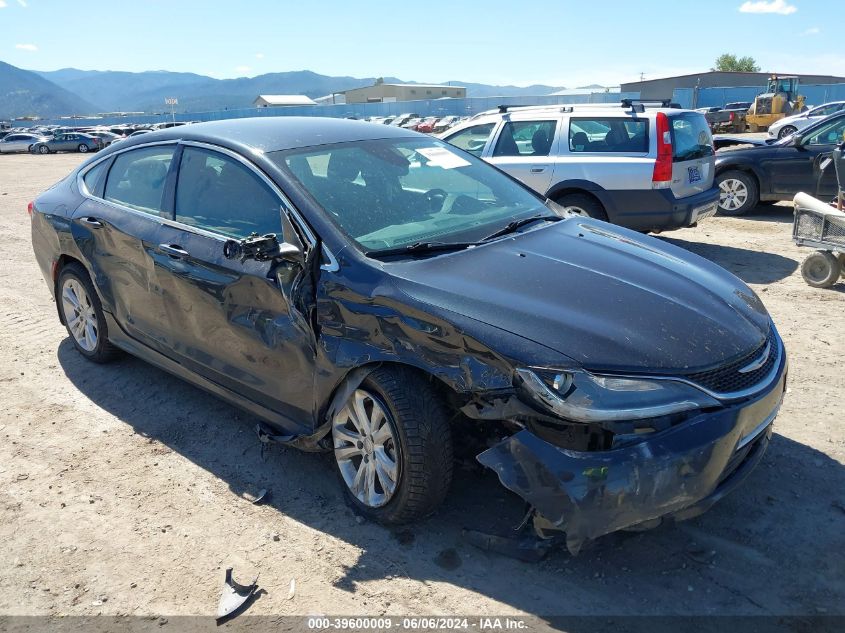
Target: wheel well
[61,262]
[744,169]
[471,435]
[557,195]
[451,396]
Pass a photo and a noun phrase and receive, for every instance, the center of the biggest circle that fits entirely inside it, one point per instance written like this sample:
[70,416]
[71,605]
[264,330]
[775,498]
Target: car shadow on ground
[779,213]
[754,267]
[784,522]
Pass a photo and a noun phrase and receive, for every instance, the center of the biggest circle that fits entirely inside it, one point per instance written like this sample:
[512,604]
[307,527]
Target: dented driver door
[235,323]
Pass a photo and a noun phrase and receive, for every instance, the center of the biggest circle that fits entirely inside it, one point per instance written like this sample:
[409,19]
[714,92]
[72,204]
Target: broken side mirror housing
[262,248]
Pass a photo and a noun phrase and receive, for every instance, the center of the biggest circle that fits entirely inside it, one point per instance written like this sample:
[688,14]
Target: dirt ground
[122,488]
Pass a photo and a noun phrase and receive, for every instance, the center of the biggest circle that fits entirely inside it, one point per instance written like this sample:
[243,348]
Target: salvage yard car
[363,288]
[648,169]
[68,142]
[19,142]
[776,170]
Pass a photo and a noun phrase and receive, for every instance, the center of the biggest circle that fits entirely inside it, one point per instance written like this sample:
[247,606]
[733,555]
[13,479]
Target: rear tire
[738,193]
[83,316]
[83,148]
[416,439]
[583,204]
[821,269]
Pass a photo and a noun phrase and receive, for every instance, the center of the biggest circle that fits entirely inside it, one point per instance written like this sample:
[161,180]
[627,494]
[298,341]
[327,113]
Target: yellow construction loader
[780,99]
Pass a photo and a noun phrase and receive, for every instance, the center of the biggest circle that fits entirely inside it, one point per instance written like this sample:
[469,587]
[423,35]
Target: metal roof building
[264,101]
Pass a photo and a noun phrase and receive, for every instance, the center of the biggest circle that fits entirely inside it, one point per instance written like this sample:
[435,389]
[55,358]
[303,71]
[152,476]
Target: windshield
[691,138]
[386,194]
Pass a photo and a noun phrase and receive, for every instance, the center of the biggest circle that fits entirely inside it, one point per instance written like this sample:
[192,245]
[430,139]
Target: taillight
[30,207]
[662,176]
[731,116]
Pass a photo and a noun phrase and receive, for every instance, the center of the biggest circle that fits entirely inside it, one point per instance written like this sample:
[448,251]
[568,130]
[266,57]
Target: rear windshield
[691,138]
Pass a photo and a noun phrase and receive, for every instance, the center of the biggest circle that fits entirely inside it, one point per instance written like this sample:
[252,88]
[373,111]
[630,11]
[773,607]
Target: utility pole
[642,76]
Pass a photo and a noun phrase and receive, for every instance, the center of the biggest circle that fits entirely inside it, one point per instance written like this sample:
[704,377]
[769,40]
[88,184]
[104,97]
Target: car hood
[606,297]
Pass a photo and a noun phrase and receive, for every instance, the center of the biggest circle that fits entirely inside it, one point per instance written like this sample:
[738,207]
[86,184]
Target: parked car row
[412,121]
[48,139]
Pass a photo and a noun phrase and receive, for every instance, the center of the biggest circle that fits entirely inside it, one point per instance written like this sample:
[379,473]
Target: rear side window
[92,177]
[219,194]
[137,178]
[525,138]
[472,139]
[691,138]
[608,135]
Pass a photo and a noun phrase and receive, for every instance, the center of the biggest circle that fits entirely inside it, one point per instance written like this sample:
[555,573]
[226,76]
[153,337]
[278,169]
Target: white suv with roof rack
[645,168]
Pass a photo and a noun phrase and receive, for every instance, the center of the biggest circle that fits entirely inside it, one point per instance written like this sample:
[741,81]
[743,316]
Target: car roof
[269,134]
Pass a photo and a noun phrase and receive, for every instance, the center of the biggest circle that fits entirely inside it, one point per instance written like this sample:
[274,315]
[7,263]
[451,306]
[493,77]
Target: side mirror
[262,248]
[797,139]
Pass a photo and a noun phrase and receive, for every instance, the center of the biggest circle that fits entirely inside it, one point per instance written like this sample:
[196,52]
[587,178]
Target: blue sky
[557,42]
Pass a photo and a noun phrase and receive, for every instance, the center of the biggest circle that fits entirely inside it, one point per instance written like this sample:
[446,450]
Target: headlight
[584,397]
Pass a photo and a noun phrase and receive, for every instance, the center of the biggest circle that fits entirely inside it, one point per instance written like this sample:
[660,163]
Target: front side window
[525,138]
[220,194]
[608,135]
[136,178]
[472,139]
[830,134]
[391,193]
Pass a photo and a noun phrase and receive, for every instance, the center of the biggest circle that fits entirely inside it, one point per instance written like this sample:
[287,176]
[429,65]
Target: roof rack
[636,105]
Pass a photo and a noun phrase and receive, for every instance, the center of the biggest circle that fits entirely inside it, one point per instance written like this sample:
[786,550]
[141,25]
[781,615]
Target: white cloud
[22,3]
[811,31]
[26,47]
[259,56]
[242,69]
[2,4]
[773,6]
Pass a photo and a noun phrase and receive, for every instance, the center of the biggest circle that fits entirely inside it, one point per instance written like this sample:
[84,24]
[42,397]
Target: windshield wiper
[420,247]
[511,227]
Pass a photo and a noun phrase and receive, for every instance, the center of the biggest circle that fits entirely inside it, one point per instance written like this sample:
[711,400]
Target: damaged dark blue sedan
[366,290]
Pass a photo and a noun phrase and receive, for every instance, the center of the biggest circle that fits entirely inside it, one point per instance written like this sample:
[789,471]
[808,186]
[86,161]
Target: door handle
[538,170]
[176,252]
[94,223]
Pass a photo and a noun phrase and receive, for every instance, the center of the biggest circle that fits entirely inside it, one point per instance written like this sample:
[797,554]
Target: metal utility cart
[822,226]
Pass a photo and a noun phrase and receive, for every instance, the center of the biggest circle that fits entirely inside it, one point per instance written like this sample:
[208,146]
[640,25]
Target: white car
[647,169]
[791,124]
[19,142]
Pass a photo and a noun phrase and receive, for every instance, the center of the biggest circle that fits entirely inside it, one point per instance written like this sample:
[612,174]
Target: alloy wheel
[83,148]
[732,194]
[786,130]
[44,149]
[366,449]
[80,315]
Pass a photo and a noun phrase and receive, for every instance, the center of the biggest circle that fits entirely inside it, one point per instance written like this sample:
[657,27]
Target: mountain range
[71,91]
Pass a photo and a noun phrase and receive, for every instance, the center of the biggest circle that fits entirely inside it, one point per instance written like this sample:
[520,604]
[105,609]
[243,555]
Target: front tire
[83,315]
[821,269]
[583,204]
[43,149]
[393,447]
[786,130]
[738,193]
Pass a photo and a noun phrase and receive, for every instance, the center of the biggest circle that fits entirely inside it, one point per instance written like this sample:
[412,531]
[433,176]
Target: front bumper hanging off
[679,473]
